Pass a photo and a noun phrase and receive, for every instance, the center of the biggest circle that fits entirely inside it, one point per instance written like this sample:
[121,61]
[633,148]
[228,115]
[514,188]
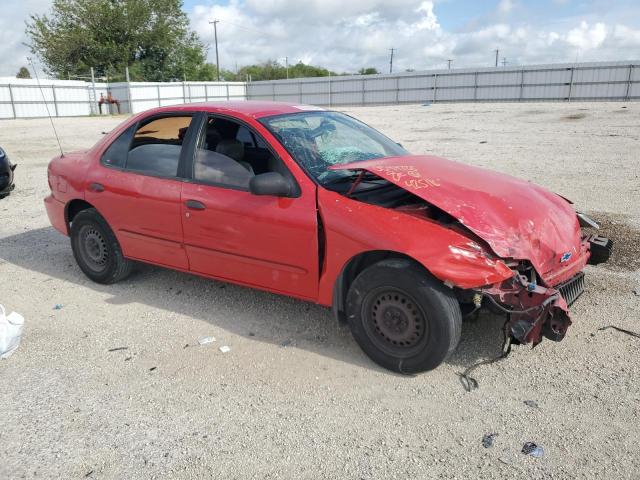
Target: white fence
[63,98]
[613,81]
[136,97]
[25,99]
[559,82]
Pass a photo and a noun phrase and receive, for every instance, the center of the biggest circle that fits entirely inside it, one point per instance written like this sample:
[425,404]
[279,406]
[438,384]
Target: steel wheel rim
[394,322]
[93,248]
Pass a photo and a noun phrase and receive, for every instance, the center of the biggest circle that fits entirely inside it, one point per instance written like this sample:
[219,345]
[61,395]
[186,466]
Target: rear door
[138,187]
[263,241]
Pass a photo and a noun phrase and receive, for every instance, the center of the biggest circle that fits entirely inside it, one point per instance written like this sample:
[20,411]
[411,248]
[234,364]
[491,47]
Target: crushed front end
[536,306]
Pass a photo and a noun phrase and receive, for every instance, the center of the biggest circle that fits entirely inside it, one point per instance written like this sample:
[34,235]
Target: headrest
[231,148]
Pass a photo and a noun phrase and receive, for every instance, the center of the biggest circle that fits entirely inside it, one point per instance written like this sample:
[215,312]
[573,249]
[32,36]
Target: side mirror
[270,183]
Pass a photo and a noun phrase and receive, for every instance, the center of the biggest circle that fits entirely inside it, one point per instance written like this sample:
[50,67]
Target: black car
[6,174]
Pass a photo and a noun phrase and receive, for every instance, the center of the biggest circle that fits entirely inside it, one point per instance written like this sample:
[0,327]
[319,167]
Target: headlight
[586,222]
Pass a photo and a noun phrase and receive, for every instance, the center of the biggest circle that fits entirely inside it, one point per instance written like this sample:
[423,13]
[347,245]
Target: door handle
[195,205]
[96,187]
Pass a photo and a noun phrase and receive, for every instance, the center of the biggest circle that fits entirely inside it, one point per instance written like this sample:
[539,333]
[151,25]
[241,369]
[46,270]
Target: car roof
[250,108]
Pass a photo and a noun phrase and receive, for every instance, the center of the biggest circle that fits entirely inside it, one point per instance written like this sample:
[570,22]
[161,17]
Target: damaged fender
[448,255]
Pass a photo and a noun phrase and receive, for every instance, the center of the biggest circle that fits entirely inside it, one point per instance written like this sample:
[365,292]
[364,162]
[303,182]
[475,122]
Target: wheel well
[352,269]
[73,208]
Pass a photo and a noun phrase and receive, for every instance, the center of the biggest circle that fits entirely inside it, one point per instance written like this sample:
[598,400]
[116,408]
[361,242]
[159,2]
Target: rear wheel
[96,248]
[403,319]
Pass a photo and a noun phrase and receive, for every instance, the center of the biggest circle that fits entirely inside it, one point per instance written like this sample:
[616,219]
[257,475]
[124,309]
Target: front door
[262,241]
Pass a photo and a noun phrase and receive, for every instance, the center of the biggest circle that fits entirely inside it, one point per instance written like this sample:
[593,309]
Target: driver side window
[230,155]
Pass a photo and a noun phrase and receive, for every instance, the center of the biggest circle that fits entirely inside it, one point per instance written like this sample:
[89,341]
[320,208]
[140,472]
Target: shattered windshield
[317,140]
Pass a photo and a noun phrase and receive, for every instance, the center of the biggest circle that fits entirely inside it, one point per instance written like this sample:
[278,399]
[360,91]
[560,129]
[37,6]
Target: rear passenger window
[157,145]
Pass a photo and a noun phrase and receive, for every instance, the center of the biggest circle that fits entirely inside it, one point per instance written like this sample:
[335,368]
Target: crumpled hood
[516,218]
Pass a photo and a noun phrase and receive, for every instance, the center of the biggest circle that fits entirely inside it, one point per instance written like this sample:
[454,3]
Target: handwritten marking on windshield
[415,180]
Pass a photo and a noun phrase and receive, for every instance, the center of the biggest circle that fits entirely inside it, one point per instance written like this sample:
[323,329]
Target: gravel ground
[295,397]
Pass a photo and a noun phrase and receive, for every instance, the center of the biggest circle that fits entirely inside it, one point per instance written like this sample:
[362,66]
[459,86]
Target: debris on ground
[285,343]
[206,340]
[10,332]
[636,292]
[487,440]
[152,369]
[468,382]
[483,141]
[58,306]
[628,332]
[116,349]
[532,450]
[531,403]
[225,349]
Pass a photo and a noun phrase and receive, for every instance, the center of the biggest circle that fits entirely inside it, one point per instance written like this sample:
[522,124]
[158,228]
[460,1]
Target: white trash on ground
[205,340]
[10,332]
[225,349]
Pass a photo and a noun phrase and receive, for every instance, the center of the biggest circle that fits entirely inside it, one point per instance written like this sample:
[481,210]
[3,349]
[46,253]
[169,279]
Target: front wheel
[96,248]
[404,319]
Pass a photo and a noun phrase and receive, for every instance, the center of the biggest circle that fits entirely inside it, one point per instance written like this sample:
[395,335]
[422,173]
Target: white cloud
[586,37]
[505,6]
[347,35]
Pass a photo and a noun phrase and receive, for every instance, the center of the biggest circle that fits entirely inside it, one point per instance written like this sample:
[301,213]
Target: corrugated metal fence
[138,96]
[25,99]
[62,98]
[559,82]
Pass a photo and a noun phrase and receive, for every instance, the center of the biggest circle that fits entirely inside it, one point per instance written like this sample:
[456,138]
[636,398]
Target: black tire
[96,248]
[404,319]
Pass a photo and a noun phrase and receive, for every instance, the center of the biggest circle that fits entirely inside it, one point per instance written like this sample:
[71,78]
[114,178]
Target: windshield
[317,140]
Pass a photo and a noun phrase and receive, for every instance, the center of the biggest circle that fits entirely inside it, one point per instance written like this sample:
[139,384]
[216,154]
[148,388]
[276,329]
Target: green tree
[23,73]
[151,37]
[272,70]
[368,71]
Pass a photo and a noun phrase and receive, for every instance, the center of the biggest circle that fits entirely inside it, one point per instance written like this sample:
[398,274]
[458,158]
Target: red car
[316,205]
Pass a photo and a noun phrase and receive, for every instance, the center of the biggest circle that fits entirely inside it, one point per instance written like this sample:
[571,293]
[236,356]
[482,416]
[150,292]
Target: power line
[261,32]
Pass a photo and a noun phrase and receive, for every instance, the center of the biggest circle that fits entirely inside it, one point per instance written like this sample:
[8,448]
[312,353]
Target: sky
[346,35]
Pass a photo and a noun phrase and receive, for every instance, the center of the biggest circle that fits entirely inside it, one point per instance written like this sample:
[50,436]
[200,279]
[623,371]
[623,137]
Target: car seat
[233,149]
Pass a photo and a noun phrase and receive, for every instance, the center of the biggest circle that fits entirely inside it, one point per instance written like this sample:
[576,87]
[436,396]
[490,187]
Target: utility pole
[449,61]
[504,62]
[215,35]
[286,64]
[497,53]
[391,61]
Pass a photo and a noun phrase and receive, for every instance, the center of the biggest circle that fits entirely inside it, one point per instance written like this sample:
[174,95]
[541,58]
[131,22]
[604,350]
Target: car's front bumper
[535,311]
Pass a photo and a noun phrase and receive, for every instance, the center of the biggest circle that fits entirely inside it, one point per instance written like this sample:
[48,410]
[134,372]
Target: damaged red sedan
[314,204]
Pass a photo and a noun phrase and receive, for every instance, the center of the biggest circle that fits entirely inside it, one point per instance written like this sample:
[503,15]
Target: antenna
[35,72]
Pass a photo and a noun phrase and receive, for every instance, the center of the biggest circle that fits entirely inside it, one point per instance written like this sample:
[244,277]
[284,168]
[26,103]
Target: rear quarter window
[116,154]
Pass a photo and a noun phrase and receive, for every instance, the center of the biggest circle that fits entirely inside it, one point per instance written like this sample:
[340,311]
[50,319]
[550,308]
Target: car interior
[156,146]
[231,154]
[228,153]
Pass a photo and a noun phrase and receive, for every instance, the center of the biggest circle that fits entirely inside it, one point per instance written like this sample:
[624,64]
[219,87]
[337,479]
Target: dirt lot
[295,397]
